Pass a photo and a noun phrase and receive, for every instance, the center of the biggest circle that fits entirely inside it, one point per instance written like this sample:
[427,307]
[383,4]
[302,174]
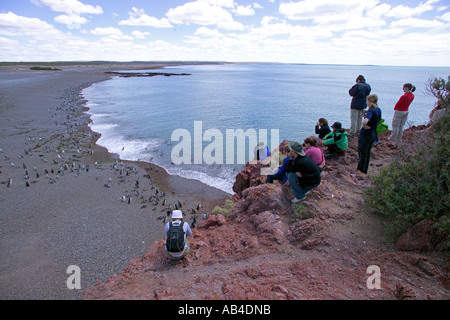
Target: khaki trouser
[398,122]
[356,120]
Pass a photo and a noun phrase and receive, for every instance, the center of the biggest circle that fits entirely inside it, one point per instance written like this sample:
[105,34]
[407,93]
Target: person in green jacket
[336,141]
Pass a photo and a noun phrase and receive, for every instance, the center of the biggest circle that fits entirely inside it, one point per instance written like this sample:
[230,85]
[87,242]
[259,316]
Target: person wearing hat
[301,164]
[176,231]
[336,141]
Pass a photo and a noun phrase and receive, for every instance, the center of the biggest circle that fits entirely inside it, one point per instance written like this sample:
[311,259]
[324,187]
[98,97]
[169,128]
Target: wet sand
[64,199]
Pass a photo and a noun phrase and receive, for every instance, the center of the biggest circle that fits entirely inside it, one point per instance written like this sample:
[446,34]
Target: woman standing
[368,135]
[401,111]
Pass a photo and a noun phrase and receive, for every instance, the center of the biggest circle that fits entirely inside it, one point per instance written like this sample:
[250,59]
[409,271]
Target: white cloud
[206,32]
[445,17]
[139,34]
[221,3]
[137,17]
[70,6]
[205,14]
[324,9]
[256,5]
[402,11]
[340,14]
[416,23]
[73,10]
[109,31]
[244,11]
[70,20]
[14,25]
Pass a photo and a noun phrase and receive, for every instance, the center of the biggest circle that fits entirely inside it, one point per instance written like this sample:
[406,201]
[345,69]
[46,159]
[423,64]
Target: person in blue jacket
[368,134]
[281,174]
[359,92]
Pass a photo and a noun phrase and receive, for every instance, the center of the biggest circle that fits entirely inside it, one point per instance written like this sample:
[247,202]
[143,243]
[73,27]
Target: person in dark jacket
[306,167]
[322,128]
[359,92]
[368,133]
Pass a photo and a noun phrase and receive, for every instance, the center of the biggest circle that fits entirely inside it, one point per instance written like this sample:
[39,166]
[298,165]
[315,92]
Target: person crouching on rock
[336,141]
[314,152]
[177,230]
[281,174]
[309,172]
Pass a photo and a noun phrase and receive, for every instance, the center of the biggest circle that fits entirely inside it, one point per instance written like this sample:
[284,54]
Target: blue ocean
[138,116]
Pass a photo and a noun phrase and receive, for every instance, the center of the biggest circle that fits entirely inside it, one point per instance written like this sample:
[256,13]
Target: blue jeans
[297,188]
[272,177]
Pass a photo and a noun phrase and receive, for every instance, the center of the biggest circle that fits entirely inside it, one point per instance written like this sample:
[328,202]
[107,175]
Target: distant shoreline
[161,64]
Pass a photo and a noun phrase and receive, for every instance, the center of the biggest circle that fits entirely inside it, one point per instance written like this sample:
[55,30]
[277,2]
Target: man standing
[359,92]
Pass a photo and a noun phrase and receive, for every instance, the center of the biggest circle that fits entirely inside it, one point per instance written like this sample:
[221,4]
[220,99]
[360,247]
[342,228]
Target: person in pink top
[401,111]
[314,152]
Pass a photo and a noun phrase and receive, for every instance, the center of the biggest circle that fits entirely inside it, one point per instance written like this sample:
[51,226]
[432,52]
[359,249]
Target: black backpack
[175,238]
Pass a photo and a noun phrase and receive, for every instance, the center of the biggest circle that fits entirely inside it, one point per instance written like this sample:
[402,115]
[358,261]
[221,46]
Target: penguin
[9,183]
[179,204]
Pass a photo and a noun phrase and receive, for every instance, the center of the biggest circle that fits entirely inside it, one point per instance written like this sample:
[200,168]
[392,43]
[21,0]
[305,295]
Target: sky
[353,32]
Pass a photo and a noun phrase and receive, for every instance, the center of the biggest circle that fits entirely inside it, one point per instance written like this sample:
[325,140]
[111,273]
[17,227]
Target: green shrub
[415,188]
[299,211]
[44,68]
[225,210]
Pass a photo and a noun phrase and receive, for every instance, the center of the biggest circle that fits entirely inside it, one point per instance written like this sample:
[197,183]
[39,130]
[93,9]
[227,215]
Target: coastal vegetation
[44,68]
[225,210]
[415,185]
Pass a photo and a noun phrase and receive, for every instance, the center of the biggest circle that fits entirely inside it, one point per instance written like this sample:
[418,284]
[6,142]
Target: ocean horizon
[137,117]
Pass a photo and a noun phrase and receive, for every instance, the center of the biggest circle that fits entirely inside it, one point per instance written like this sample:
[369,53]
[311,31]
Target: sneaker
[298,200]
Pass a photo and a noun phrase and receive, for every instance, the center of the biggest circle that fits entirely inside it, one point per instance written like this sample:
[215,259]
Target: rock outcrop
[270,249]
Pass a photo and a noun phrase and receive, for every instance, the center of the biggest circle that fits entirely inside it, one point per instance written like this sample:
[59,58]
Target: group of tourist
[303,164]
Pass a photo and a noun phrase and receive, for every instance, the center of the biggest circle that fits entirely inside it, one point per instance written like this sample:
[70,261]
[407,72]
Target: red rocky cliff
[269,249]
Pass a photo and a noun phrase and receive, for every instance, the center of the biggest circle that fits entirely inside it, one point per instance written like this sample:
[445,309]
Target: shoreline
[64,204]
[167,180]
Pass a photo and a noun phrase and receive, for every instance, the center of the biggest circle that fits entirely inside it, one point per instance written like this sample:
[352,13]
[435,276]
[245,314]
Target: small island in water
[144,74]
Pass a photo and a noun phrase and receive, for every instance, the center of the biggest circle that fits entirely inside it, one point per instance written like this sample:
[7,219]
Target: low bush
[45,68]
[415,187]
[225,210]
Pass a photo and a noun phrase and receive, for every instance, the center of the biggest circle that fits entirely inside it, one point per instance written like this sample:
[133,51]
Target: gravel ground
[62,196]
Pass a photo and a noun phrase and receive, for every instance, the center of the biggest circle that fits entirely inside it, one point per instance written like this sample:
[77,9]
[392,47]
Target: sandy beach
[65,200]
